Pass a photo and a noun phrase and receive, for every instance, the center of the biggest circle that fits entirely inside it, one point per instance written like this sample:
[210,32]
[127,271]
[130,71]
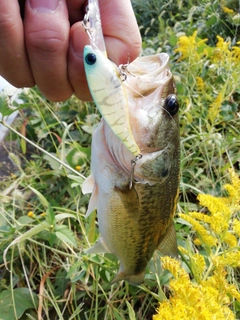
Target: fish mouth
[147,73]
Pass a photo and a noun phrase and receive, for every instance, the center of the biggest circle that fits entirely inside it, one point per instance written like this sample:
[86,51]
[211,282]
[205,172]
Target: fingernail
[44,5]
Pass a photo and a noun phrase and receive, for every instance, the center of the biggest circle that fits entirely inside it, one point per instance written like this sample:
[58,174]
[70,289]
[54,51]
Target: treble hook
[123,70]
[86,24]
[133,164]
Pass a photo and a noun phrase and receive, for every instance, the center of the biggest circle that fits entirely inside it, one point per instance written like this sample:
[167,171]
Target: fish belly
[132,222]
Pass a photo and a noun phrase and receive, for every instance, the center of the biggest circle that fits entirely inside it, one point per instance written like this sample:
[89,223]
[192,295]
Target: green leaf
[64,234]
[211,21]
[61,282]
[78,156]
[76,311]
[4,108]
[79,180]
[50,216]
[19,299]
[131,312]
[57,168]
[23,221]
[62,216]
[42,199]
[27,235]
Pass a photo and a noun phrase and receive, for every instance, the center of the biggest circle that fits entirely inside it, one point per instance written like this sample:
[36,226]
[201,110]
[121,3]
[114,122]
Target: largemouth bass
[136,198]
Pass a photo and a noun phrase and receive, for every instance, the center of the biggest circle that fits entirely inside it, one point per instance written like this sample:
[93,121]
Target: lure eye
[171,104]
[90,58]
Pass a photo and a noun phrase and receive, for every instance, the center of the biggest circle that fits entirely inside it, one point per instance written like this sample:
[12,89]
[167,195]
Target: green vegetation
[44,272]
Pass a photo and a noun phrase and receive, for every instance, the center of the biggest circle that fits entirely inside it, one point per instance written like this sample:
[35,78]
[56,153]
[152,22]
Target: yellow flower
[173,266]
[231,259]
[200,216]
[31,215]
[43,214]
[200,84]
[204,301]
[215,106]
[182,250]
[197,242]
[229,239]
[219,282]
[236,227]
[222,52]
[210,292]
[78,168]
[196,262]
[204,235]
[188,46]
[233,189]
[227,10]
[199,263]
[236,53]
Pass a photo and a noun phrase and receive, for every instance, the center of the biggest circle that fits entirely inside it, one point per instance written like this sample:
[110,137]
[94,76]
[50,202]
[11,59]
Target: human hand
[46,46]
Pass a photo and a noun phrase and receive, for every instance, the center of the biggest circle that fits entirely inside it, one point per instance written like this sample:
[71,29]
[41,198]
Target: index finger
[122,39]
[120,29]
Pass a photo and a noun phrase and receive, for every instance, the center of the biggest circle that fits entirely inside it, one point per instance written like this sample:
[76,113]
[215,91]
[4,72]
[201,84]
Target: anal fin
[133,279]
[98,247]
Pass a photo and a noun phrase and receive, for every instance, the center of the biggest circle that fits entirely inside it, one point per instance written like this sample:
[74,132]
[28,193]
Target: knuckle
[49,41]
[7,25]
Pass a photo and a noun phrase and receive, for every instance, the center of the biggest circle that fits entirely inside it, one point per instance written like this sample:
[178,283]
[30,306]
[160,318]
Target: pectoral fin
[129,199]
[168,242]
[92,202]
[88,185]
[154,167]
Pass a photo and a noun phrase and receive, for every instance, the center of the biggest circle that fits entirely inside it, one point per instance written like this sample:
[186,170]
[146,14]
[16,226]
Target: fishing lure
[105,81]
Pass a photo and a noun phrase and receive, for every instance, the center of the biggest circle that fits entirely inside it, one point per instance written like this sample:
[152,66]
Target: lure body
[109,94]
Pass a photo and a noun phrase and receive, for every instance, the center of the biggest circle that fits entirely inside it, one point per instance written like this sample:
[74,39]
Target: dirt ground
[6,166]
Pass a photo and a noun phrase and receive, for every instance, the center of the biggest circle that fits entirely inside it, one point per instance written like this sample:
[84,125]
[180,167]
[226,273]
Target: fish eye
[171,104]
[90,58]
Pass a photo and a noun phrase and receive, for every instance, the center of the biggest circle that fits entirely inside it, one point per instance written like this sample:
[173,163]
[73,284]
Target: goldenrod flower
[231,259]
[200,84]
[173,266]
[233,190]
[200,216]
[198,263]
[227,10]
[205,237]
[229,239]
[215,106]
[236,53]
[188,46]
[236,227]
[204,301]
[182,250]
[222,52]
